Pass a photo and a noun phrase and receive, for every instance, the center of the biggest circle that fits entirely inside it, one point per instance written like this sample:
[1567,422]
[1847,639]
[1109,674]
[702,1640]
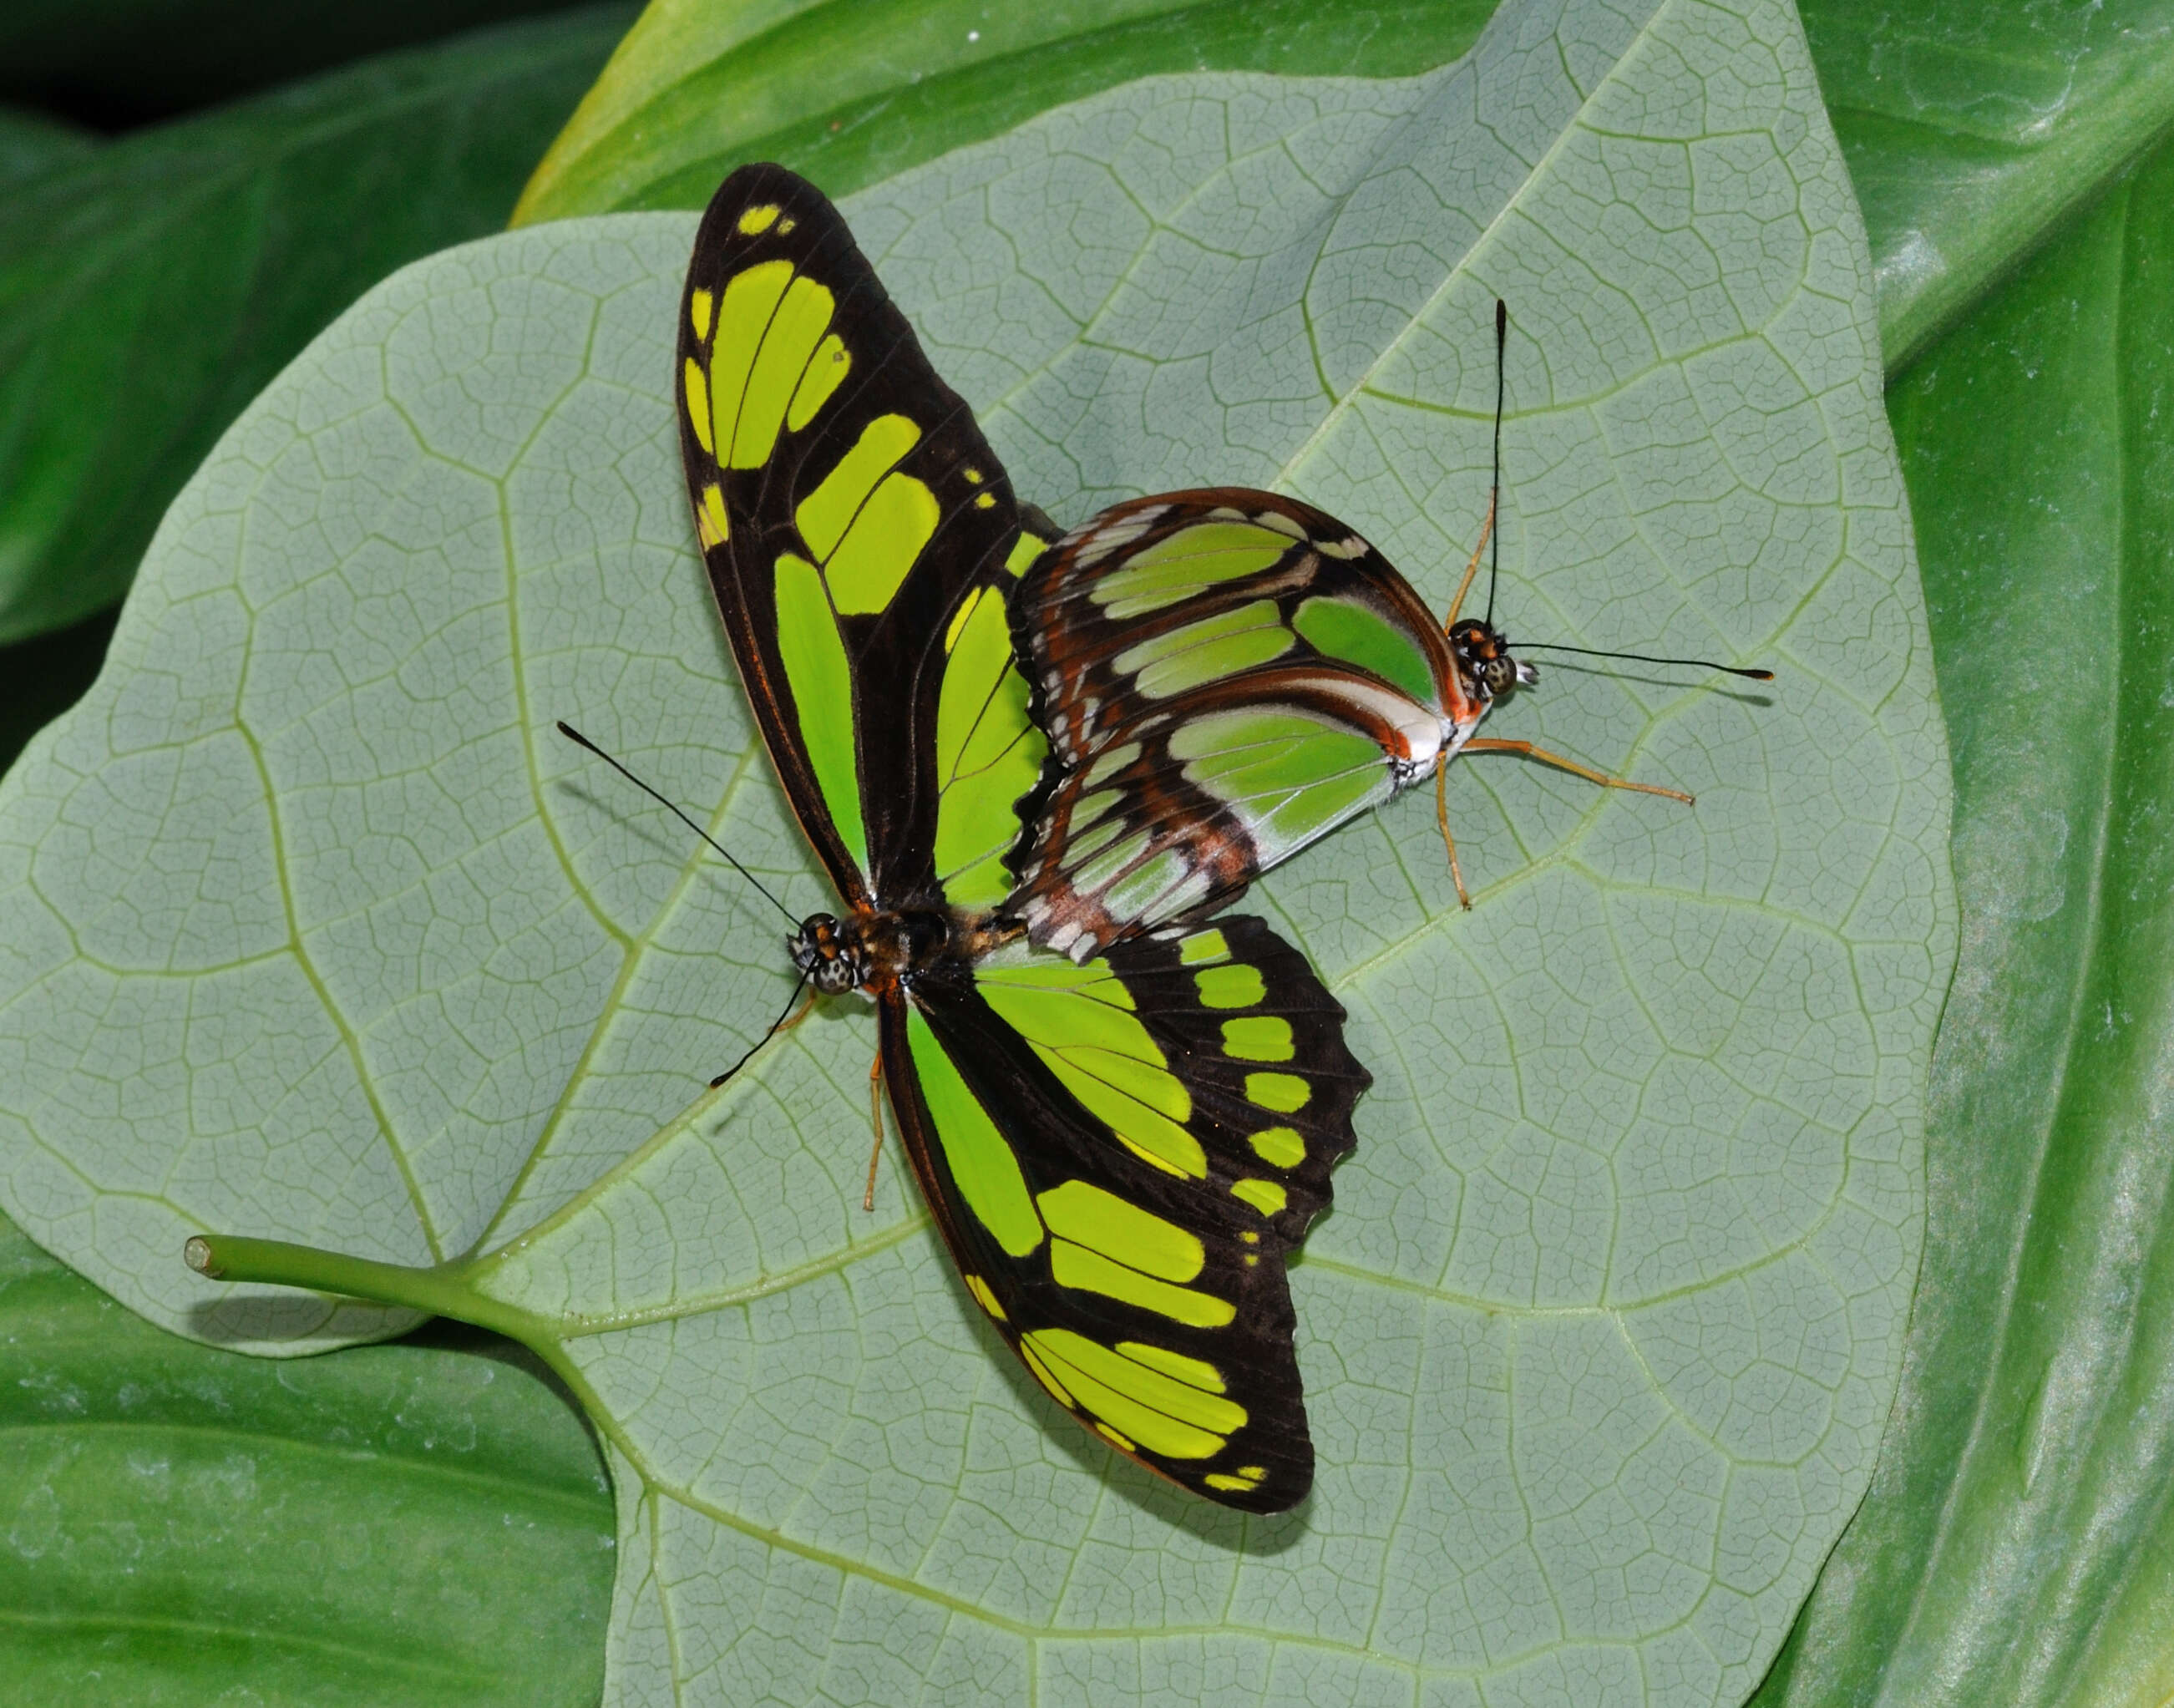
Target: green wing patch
[989,752]
[852,518]
[1134,1251]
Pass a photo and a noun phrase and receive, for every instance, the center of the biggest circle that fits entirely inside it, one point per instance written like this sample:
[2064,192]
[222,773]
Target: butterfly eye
[1501,673]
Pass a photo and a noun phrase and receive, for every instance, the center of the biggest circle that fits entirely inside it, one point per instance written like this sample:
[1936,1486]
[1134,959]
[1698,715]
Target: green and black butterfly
[1119,1149]
[1227,676]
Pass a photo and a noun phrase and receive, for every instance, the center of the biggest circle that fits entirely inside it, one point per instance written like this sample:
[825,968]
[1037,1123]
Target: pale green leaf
[314,930]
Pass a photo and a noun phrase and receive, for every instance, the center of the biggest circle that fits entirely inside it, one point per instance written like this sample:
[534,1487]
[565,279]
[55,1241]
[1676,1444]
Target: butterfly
[1119,1149]
[1227,676]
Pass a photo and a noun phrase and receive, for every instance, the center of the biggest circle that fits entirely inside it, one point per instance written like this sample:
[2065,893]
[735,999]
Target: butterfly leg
[800,1013]
[875,1117]
[1483,745]
[1448,841]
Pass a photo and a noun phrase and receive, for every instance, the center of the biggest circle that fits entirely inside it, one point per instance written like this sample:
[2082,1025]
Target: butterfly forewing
[1123,1154]
[1119,1153]
[1224,676]
[848,508]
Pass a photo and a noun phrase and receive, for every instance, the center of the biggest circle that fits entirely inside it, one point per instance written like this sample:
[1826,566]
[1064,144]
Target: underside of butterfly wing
[1224,676]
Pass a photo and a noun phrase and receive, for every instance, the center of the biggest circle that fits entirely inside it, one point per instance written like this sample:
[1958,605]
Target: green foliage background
[2016,1544]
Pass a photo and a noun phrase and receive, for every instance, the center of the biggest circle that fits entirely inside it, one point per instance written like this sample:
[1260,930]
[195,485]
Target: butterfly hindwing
[1224,675]
[1121,1156]
[847,507]
[1120,1152]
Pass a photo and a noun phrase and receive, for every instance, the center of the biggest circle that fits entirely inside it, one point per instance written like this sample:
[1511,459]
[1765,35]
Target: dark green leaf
[131,61]
[2018,1544]
[147,294]
[406,1524]
[31,143]
[42,677]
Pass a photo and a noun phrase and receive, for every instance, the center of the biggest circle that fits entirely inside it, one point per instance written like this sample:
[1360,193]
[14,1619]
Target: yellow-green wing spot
[822,684]
[1101,1244]
[1204,651]
[1281,1146]
[866,522]
[1185,563]
[1160,1410]
[826,371]
[1080,1021]
[1204,947]
[980,1159]
[1284,1093]
[986,1297]
[1024,550]
[1347,630]
[988,753]
[710,519]
[1264,1195]
[750,298]
[1197,1372]
[1288,776]
[1259,1038]
[1232,986]
[698,404]
[1090,1272]
[781,361]
[775,363]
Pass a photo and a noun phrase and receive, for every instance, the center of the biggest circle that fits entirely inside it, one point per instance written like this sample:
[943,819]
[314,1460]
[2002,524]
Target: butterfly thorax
[872,950]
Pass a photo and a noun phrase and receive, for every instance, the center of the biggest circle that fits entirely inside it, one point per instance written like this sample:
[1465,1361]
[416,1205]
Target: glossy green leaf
[30,143]
[132,62]
[147,294]
[396,1525]
[851,95]
[314,930]
[1973,132]
[2017,1545]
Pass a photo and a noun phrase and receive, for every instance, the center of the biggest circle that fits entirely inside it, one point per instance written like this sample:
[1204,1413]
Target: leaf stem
[442,1290]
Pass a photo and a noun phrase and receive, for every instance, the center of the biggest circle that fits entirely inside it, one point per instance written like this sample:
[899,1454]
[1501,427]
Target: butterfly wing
[1120,1156]
[851,513]
[1224,676]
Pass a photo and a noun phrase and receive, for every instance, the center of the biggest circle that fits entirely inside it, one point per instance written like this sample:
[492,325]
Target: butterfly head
[1483,660]
[831,957]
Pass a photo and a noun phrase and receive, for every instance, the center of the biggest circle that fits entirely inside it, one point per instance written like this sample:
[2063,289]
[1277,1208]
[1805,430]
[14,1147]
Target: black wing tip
[759,182]
[1288,1487]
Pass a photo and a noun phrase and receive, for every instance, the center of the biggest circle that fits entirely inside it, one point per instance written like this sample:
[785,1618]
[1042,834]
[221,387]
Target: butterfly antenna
[775,1027]
[1645,658]
[1494,489]
[580,740]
